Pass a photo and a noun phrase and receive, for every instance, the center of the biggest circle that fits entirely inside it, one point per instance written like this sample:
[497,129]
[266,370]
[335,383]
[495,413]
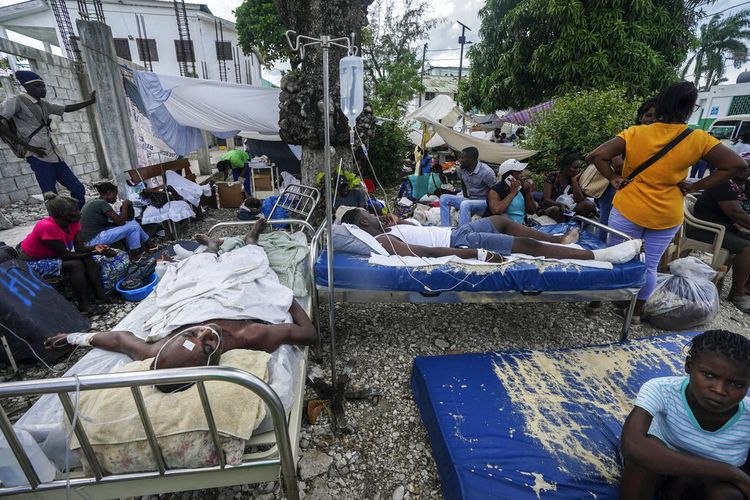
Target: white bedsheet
[400,261]
[188,292]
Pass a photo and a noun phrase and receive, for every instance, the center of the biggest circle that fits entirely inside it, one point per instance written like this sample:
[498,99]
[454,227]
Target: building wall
[74,134]
[161,25]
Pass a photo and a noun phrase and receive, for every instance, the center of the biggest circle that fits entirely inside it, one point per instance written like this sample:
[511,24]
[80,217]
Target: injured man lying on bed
[489,239]
[203,342]
[210,308]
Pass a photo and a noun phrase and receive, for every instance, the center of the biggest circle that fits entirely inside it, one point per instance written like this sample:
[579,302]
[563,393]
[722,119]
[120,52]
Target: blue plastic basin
[138,293]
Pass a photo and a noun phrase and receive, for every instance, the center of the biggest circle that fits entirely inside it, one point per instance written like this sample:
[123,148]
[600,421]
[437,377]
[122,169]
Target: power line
[722,11]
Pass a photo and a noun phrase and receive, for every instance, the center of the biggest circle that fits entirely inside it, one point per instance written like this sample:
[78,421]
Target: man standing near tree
[31,115]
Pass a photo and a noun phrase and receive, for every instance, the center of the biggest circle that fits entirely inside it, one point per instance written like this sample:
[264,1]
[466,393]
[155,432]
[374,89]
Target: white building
[156,49]
[722,100]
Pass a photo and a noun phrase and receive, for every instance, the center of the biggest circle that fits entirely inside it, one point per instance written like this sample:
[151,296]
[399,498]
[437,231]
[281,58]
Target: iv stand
[337,391]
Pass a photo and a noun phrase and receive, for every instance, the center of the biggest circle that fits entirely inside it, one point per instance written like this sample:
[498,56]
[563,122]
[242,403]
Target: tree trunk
[301,100]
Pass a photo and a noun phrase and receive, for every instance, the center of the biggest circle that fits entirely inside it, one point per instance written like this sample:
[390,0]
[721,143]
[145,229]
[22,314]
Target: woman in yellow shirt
[650,206]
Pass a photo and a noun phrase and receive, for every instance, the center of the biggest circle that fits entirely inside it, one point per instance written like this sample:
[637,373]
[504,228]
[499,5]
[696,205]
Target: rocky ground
[389,456]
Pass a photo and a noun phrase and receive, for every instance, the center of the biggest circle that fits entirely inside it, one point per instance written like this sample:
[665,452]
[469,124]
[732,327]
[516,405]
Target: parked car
[728,129]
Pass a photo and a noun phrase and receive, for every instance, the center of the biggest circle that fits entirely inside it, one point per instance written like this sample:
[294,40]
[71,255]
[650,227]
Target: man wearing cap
[512,195]
[31,115]
[476,180]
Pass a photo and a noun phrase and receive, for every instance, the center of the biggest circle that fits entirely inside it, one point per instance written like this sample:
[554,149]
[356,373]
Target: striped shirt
[674,423]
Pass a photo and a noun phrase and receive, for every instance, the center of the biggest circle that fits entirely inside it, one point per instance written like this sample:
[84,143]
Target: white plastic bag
[684,299]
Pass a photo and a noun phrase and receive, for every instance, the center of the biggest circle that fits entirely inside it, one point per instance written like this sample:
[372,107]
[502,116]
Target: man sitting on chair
[487,239]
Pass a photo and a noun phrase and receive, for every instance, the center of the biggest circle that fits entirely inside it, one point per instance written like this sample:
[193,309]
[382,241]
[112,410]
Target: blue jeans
[246,185]
[466,208]
[131,232]
[49,174]
[605,207]
[482,234]
[655,242]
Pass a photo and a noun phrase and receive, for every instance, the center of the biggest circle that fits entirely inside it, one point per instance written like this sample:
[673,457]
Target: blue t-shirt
[516,211]
[674,423]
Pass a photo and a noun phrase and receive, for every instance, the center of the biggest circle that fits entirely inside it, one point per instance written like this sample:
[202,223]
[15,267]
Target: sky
[443,47]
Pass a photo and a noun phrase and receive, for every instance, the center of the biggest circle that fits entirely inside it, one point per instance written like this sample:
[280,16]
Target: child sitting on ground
[688,437]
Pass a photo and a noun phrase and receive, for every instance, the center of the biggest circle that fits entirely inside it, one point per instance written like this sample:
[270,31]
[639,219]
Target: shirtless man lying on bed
[202,343]
[197,345]
[487,239]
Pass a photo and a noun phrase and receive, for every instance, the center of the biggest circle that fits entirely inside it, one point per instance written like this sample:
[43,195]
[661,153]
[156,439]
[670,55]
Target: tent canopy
[180,108]
[488,151]
[441,114]
[441,109]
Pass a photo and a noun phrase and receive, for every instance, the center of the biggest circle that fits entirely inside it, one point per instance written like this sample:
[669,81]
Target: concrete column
[47,46]
[204,160]
[112,121]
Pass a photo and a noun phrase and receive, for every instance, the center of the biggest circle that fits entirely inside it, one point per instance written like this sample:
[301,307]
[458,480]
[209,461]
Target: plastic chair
[721,258]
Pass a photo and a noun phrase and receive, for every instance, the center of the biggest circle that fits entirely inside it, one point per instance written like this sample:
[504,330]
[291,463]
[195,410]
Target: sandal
[621,313]
[742,302]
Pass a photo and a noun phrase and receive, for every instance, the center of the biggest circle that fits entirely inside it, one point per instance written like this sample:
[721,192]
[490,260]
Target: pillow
[344,241]
[112,424]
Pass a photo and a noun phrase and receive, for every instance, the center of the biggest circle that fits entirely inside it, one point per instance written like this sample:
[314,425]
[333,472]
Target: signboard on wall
[149,147]
[714,111]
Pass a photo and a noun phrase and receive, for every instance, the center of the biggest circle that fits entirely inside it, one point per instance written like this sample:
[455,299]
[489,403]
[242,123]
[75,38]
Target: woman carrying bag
[648,203]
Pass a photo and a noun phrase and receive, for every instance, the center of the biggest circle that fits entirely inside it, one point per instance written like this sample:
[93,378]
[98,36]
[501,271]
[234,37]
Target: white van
[730,128]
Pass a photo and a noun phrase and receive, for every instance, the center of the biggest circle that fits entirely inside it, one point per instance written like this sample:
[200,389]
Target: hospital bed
[270,452]
[356,280]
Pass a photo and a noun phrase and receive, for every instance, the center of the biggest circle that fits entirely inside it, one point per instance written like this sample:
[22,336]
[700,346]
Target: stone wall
[74,133]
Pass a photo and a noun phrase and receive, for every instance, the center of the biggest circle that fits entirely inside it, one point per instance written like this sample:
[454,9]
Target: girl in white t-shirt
[688,437]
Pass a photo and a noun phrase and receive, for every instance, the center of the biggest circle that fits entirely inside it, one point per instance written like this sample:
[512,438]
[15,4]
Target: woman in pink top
[55,246]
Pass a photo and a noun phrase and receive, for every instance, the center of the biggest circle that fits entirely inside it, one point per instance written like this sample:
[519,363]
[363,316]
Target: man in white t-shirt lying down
[488,239]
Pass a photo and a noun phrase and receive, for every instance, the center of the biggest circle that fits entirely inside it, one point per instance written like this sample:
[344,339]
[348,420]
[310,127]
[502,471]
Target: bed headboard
[298,200]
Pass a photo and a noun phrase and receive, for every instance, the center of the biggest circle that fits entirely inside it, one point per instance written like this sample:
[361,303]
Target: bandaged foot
[571,237]
[619,254]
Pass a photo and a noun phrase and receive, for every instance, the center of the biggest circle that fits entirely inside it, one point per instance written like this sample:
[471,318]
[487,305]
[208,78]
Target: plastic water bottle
[11,473]
[351,79]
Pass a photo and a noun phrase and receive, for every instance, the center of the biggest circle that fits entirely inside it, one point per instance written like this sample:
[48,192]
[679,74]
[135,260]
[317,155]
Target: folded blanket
[286,256]
[109,416]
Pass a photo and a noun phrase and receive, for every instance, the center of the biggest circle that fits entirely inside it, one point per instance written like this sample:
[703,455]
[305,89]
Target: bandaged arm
[123,342]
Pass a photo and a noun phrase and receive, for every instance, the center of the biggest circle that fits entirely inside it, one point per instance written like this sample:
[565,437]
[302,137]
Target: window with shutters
[147,47]
[224,51]
[122,48]
[185,51]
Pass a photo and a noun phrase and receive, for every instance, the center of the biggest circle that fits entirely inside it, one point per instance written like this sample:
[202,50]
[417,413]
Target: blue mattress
[536,424]
[353,271]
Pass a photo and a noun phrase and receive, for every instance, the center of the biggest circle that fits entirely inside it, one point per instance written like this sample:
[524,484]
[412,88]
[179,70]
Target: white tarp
[441,109]
[488,151]
[222,106]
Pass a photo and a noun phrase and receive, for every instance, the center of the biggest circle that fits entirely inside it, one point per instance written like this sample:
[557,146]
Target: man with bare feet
[487,239]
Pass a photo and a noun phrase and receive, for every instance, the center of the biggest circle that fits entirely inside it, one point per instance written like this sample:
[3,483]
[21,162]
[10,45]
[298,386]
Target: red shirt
[47,230]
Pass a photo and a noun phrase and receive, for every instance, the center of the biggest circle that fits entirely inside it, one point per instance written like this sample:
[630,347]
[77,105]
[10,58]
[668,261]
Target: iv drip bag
[351,71]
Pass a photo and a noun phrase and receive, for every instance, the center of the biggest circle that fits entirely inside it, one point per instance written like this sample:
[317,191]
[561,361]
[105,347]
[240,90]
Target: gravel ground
[389,455]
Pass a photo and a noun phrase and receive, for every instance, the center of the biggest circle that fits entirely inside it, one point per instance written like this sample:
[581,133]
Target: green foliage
[532,50]
[719,40]
[259,28]
[392,65]
[580,122]
[389,145]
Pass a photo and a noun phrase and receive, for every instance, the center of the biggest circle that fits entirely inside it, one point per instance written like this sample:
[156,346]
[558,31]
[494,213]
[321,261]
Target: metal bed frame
[368,296]
[282,442]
